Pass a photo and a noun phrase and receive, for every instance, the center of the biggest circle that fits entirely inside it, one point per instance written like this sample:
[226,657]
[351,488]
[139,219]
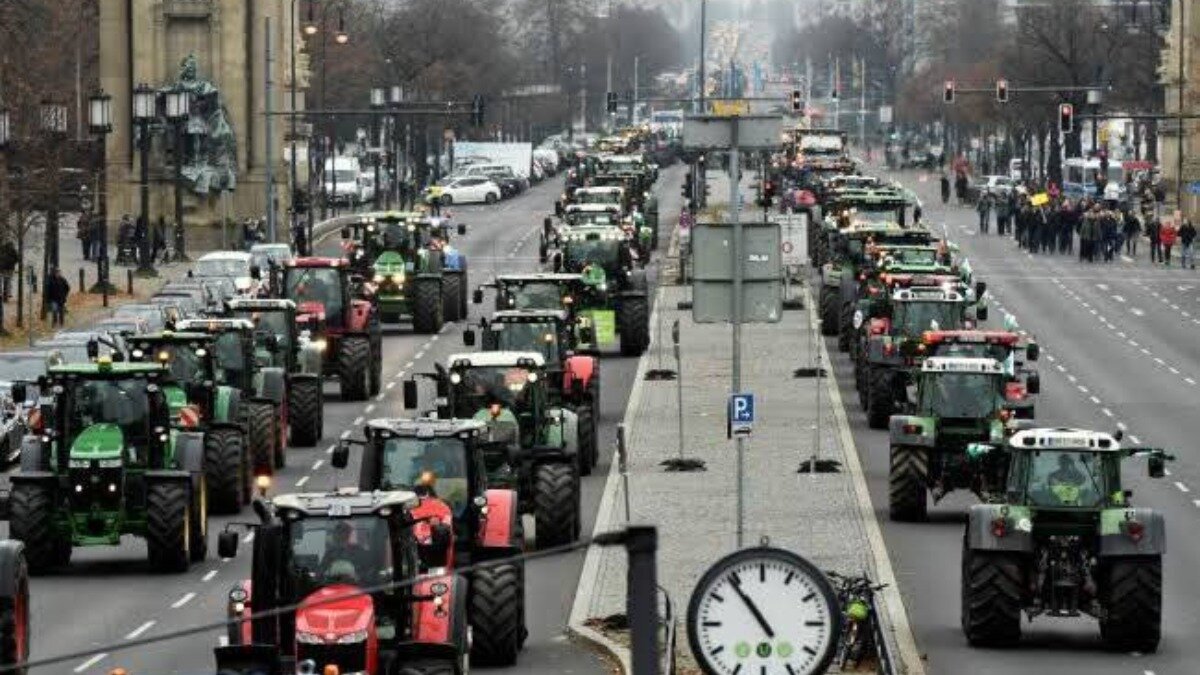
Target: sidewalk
[83,308]
[825,517]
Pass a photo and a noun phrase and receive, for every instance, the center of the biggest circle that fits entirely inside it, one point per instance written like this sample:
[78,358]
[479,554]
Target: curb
[910,661]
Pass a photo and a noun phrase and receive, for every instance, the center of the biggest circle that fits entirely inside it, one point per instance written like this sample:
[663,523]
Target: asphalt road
[1118,351]
[107,596]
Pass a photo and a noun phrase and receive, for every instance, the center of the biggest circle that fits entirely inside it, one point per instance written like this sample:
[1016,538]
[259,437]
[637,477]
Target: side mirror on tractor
[227,544]
[587,335]
[410,394]
[345,233]
[1156,466]
[462,229]
[255,272]
[981,313]
[980,288]
[341,455]
[17,391]
[1032,350]
[468,338]
[1033,383]
[477,296]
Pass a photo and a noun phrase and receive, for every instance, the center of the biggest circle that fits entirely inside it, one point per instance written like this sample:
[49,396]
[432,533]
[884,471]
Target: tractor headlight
[163,437]
[320,345]
[109,463]
[137,354]
[112,488]
[351,638]
[603,287]
[455,378]
[238,595]
[80,463]
[398,278]
[78,489]
[239,607]
[532,377]
[379,278]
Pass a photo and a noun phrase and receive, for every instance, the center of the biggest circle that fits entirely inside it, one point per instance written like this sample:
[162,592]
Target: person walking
[1003,213]
[1153,232]
[158,238]
[1167,236]
[1087,234]
[83,232]
[945,188]
[1187,235]
[8,265]
[57,291]
[1132,229]
[984,207]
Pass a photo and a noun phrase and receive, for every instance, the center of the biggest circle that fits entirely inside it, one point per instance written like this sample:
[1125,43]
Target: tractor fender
[360,316]
[271,385]
[435,631]
[33,455]
[926,438]
[429,275]
[875,355]
[44,477]
[1018,535]
[452,260]
[1114,541]
[578,368]
[168,476]
[499,531]
[228,405]
[308,360]
[189,451]
[632,293]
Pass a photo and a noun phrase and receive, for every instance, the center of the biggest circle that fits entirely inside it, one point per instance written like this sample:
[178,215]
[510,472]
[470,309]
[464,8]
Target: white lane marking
[1083,389]
[369,409]
[141,629]
[379,398]
[1145,351]
[1121,426]
[1095,400]
[418,355]
[400,375]
[1189,381]
[1137,312]
[1136,440]
[1121,335]
[1158,360]
[357,420]
[390,385]
[1129,260]
[1050,358]
[183,601]
[248,538]
[1134,343]
[1060,367]
[1182,487]
[302,481]
[318,464]
[1173,369]
[408,365]
[1093,311]
[1186,314]
[90,662]
[208,577]
[1174,306]
[1107,412]
[329,450]
[1072,378]
[1196,503]
[434,338]
[1118,298]
[1103,287]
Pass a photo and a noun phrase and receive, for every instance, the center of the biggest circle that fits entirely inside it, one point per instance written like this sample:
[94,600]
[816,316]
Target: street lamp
[100,124]
[178,110]
[378,101]
[342,36]
[145,110]
[53,123]
[310,25]
[395,98]
[5,137]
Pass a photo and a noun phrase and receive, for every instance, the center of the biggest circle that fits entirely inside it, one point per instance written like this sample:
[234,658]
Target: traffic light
[1002,91]
[948,92]
[833,95]
[477,110]
[797,103]
[1066,118]
[688,186]
[610,100]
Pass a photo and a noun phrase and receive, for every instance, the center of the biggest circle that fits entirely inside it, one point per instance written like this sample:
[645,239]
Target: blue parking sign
[741,414]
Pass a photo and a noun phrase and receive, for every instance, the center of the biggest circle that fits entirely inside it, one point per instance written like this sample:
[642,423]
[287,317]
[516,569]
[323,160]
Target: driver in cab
[1066,481]
[345,559]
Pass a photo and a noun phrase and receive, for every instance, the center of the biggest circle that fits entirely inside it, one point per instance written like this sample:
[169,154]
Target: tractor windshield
[602,252]
[910,256]
[122,402]
[435,464]
[182,360]
[278,324]
[534,295]
[962,395]
[338,550]
[230,359]
[527,336]
[1059,478]
[482,386]
[598,197]
[320,285]
[875,215]
[912,318]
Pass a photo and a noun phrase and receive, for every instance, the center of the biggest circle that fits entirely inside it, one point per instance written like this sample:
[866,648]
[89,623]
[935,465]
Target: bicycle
[858,640]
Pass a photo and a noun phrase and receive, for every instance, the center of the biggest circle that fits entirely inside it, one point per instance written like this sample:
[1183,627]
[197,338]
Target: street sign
[741,414]
[794,238]
[762,273]
[1193,188]
[713,132]
[739,108]
[885,114]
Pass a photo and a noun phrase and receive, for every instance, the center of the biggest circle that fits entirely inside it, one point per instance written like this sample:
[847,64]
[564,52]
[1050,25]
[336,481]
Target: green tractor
[1063,540]
[853,207]
[279,343]
[960,403]
[615,298]
[573,378]
[104,461]
[508,392]
[263,388]
[199,399]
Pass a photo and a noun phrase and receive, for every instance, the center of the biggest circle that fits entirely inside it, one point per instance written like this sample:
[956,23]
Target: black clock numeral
[814,623]
[789,578]
[733,576]
[810,651]
[737,669]
[763,671]
[791,671]
[716,597]
[762,573]
[808,597]
[718,650]
[711,624]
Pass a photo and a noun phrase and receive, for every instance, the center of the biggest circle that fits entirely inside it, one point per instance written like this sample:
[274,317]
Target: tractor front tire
[880,403]
[555,504]
[304,412]
[587,440]
[497,624]
[829,312]
[633,323]
[907,477]
[167,538]
[227,476]
[427,304]
[263,435]
[31,520]
[991,598]
[14,607]
[1132,593]
[452,298]
[354,358]
[198,523]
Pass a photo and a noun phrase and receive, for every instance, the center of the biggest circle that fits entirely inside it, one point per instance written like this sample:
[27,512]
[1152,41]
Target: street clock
[763,611]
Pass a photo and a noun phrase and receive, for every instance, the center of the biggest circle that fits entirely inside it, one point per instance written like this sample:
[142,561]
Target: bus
[1079,177]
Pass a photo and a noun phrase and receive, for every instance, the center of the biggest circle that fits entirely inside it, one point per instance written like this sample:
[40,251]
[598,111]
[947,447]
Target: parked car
[235,265]
[155,316]
[997,186]
[127,325]
[466,190]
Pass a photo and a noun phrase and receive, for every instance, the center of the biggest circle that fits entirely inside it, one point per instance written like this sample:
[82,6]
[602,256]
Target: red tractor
[349,564]
[330,305]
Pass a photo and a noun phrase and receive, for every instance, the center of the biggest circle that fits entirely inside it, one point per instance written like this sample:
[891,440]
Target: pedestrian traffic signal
[477,110]
[797,103]
[948,92]
[1002,91]
[611,102]
[688,186]
[1066,118]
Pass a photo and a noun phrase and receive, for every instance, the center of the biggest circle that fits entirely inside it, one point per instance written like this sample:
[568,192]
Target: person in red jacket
[1167,236]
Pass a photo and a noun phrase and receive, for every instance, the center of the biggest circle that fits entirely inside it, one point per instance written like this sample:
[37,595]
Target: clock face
[763,612]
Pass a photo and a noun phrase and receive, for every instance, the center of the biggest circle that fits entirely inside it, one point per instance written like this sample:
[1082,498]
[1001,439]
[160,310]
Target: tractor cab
[544,290]
[234,359]
[545,331]
[191,360]
[598,253]
[278,341]
[324,290]
[506,390]
[960,388]
[592,214]
[333,556]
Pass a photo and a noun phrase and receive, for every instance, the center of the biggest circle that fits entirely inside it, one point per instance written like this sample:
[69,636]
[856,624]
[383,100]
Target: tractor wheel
[587,440]
[829,312]
[226,475]
[860,381]
[14,607]
[633,323]
[429,667]
[991,598]
[198,523]
[167,516]
[427,306]
[304,412]
[907,477]
[555,504]
[354,358]
[375,373]
[263,435]
[497,594]
[880,404]
[845,326]
[452,297]
[464,303]
[1131,589]
[31,520]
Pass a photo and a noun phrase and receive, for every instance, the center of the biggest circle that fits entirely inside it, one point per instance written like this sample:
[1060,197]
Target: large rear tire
[429,667]
[880,403]
[31,520]
[633,323]
[1132,595]
[845,326]
[991,598]
[198,522]
[167,524]
[304,412]
[428,306]
[829,312]
[451,297]
[587,439]
[226,473]
[907,477]
[354,360]
[263,433]
[497,594]
[14,607]
[555,504]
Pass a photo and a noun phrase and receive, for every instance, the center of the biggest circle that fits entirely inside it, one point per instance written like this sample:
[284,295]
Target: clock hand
[758,616]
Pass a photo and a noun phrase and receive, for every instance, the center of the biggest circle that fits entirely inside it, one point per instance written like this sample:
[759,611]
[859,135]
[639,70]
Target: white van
[339,183]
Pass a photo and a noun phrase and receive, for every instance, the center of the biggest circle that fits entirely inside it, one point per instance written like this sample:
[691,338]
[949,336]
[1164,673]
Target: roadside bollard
[82,285]
[129,281]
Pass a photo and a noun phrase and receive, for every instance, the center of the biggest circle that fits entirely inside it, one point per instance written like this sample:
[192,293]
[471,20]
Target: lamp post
[100,124]
[53,123]
[145,110]
[378,101]
[178,109]
[311,28]
[5,137]
[395,98]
